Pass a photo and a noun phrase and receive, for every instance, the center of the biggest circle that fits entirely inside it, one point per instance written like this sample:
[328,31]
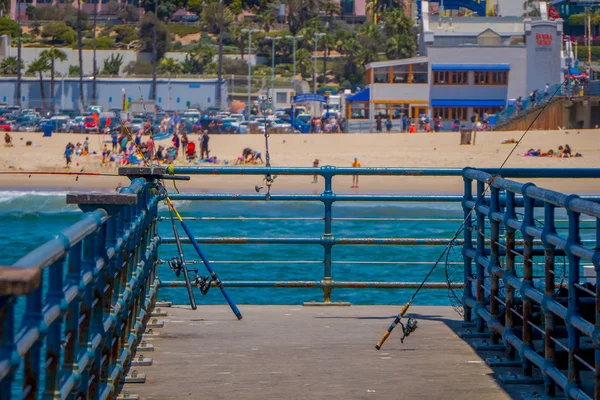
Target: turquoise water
[27,219]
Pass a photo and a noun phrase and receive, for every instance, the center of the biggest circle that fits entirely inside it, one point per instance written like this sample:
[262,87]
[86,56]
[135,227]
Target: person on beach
[184,142]
[315,165]
[355,164]
[175,141]
[204,146]
[105,153]
[388,125]
[150,147]
[86,146]
[113,136]
[68,154]
[378,124]
[8,140]
[256,155]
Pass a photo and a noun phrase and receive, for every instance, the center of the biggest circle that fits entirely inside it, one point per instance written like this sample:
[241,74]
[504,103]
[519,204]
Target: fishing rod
[57,173]
[202,283]
[411,324]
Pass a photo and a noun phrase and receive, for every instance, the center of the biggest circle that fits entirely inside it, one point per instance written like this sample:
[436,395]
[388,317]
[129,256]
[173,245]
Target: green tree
[302,11]
[9,66]
[236,7]
[166,8]
[112,65]
[9,27]
[198,61]
[304,62]
[124,33]
[211,17]
[59,32]
[240,39]
[39,66]
[35,28]
[169,66]
[138,68]
[196,6]
[401,41]
[50,56]
[123,12]
[146,35]
[266,20]
[73,69]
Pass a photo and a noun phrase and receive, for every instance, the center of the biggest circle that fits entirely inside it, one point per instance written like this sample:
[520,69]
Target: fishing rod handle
[385,336]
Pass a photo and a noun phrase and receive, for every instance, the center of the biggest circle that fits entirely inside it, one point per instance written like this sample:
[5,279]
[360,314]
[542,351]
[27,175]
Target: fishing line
[411,323]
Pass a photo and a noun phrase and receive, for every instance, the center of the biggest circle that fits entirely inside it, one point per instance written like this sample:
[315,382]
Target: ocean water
[28,219]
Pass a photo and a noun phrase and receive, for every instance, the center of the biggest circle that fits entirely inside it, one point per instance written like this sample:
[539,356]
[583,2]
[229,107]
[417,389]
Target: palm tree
[304,61]
[80,48]
[39,66]
[10,66]
[169,66]
[94,67]
[51,55]
[267,20]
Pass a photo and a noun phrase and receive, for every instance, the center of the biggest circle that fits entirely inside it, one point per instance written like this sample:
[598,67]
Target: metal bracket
[486,345]
[145,346]
[163,303]
[327,304]
[471,334]
[502,362]
[519,379]
[141,361]
[159,313]
[134,377]
[155,324]
[125,395]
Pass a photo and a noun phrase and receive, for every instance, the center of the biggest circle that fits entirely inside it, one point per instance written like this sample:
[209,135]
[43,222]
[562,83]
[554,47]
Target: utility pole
[273,40]
[249,32]
[154,51]
[294,38]
[589,40]
[95,67]
[220,67]
[19,60]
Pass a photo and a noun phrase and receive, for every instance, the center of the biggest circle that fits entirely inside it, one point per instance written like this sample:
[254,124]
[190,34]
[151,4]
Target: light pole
[249,32]
[273,40]
[19,57]
[220,67]
[317,36]
[154,53]
[293,39]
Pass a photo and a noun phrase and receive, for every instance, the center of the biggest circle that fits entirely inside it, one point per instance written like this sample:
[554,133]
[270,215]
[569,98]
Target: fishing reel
[176,265]
[202,283]
[410,327]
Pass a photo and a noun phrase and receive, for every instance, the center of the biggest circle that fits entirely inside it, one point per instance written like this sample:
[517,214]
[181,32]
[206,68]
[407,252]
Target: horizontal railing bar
[193,262]
[311,219]
[317,241]
[314,197]
[332,171]
[320,284]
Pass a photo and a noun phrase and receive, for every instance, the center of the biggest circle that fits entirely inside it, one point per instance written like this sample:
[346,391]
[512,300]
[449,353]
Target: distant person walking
[355,164]
[315,165]
[204,146]
[388,125]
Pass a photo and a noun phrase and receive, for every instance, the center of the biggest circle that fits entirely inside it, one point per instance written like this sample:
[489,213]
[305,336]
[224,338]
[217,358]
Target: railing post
[596,338]
[7,341]
[467,245]
[527,282]
[573,239]
[509,271]
[328,199]
[480,252]
[549,278]
[494,258]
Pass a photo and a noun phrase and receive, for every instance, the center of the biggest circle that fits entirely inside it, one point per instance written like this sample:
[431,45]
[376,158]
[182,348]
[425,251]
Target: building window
[450,77]
[419,73]
[359,111]
[490,78]
[281,97]
[479,111]
[382,75]
[451,113]
[400,73]
[399,110]
[382,110]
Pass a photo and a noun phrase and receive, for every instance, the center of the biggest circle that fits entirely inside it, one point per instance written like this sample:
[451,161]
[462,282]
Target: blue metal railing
[327,241]
[88,294]
[512,313]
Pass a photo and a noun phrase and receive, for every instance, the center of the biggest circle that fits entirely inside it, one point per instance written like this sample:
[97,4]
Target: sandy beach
[373,150]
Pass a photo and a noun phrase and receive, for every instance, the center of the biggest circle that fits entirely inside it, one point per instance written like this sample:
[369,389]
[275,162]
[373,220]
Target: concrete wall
[199,93]
[543,60]
[399,91]
[513,55]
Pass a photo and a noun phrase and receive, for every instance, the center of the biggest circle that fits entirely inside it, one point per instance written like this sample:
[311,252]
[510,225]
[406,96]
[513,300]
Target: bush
[582,53]
[175,46]
[60,32]
[9,27]
[234,67]
[138,68]
[182,30]
[102,43]
[124,33]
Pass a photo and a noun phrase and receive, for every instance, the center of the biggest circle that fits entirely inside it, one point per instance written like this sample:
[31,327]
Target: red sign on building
[543,39]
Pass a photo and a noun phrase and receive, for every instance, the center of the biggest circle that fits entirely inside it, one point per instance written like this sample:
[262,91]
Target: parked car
[76,125]
[26,126]
[5,125]
[137,124]
[239,117]
[62,123]
[14,109]
[90,124]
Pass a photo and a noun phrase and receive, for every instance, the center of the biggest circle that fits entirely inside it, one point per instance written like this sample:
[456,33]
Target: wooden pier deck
[296,352]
